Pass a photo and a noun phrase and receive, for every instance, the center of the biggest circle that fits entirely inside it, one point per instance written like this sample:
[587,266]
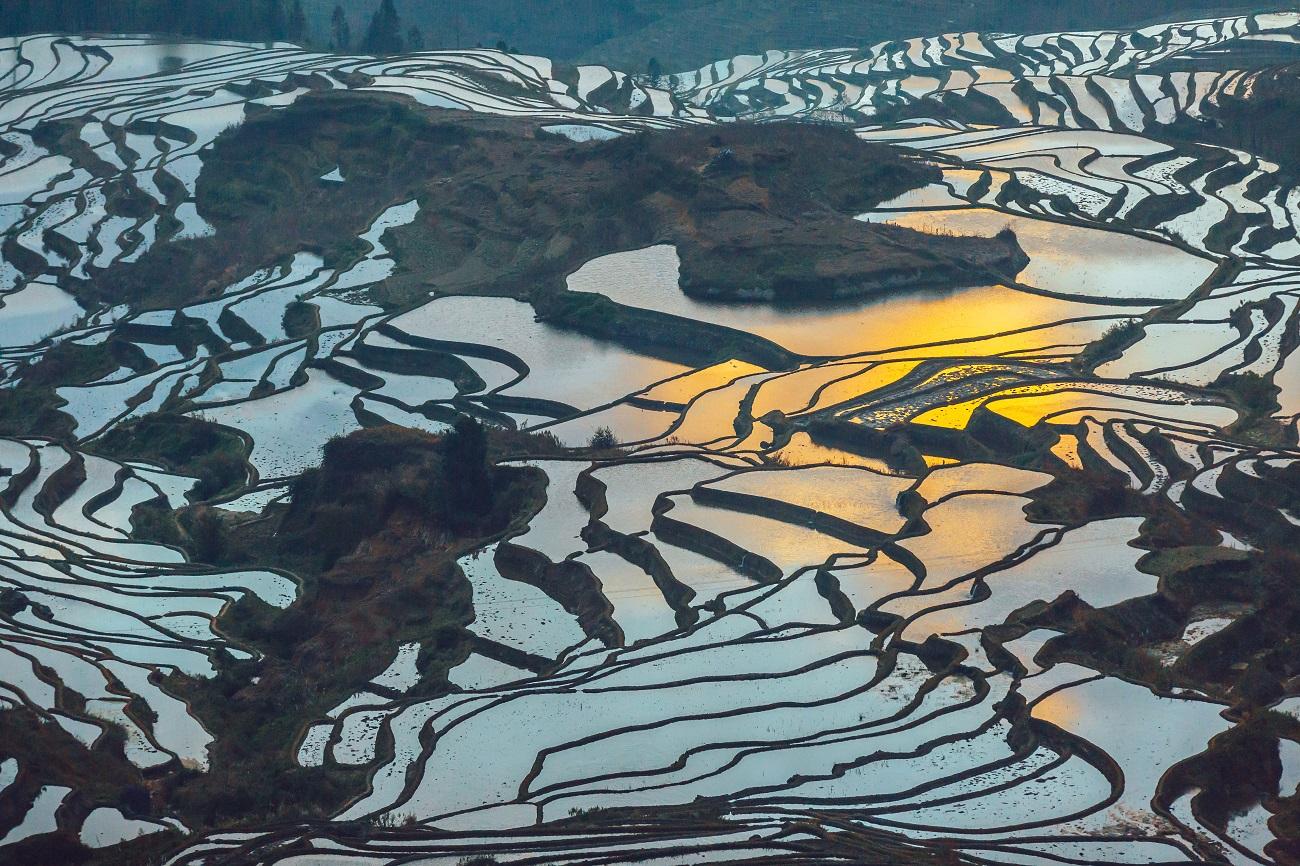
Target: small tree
[654,70]
[273,24]
[340,31]
[414,39]
[384,36]
[465,465]
[208,534]
[603,439]
[297,27]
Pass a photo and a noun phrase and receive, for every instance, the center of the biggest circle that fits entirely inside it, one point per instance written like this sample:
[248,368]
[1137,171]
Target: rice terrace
[649,433]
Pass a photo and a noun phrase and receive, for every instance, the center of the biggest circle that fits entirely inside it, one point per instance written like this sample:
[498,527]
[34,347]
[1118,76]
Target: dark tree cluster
[247,20]
[385,34]
[251,20]
[625,33]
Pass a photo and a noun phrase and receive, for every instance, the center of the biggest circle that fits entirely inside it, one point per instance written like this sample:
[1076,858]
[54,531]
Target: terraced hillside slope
[876,455]
[506,205]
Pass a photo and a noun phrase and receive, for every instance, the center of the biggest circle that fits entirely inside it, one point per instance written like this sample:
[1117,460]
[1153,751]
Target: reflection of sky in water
[150,58]
[1063,402]
[857,496]
[795,391]
[713,415]
[1103,713]
[1074,260]
[968,532]
[683,389]
[564,366]
[788,546]
[802,451]
[647,278]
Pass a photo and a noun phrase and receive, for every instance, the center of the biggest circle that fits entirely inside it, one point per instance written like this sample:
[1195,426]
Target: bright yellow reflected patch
[802,451]
[760,437]
[686,388]
[1067,448]
[954,417]
[959,372]
[1031,410]
[1032,403]
[1070,407]
[648,279]
[1056,340]
[916,318]
[872,379]
[713,416]
[1062,709]
[793,392]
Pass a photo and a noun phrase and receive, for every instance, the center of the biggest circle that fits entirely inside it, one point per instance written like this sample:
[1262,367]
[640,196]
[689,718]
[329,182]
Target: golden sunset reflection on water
[956,416]
[713,415]
[648,278]
[1073,260]
[794,392]
[969,531]
[803,451]
[1067,448]
[921,318]
[866,382]
[1068,402]
[856,495]
[1069,407]
[683,389]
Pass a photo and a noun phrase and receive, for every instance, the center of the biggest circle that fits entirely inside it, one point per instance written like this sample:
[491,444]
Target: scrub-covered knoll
[31,408]
[444,485]
[374,534]
[767,212]
[189,446]
[757,210]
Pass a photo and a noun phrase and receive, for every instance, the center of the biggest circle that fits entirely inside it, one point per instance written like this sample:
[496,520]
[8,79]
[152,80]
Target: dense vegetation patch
[189,446]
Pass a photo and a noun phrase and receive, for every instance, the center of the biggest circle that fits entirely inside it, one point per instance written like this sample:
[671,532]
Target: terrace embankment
[757,211]
[1248,665]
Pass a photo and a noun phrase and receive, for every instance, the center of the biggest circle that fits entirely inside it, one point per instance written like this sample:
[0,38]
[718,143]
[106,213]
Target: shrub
[603,439]
[207,535]
[1115,339]
[217,472]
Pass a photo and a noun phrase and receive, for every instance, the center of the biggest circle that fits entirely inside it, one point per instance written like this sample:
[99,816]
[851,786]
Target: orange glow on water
[683,389]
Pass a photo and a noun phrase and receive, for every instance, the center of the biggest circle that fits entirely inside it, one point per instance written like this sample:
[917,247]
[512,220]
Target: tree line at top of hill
[626,34]
[250,20]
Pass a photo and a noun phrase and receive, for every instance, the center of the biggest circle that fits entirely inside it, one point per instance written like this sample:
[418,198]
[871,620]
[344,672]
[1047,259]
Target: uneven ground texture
[874,455]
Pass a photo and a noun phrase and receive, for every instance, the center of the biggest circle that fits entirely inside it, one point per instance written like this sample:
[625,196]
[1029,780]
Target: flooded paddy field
[998,572]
